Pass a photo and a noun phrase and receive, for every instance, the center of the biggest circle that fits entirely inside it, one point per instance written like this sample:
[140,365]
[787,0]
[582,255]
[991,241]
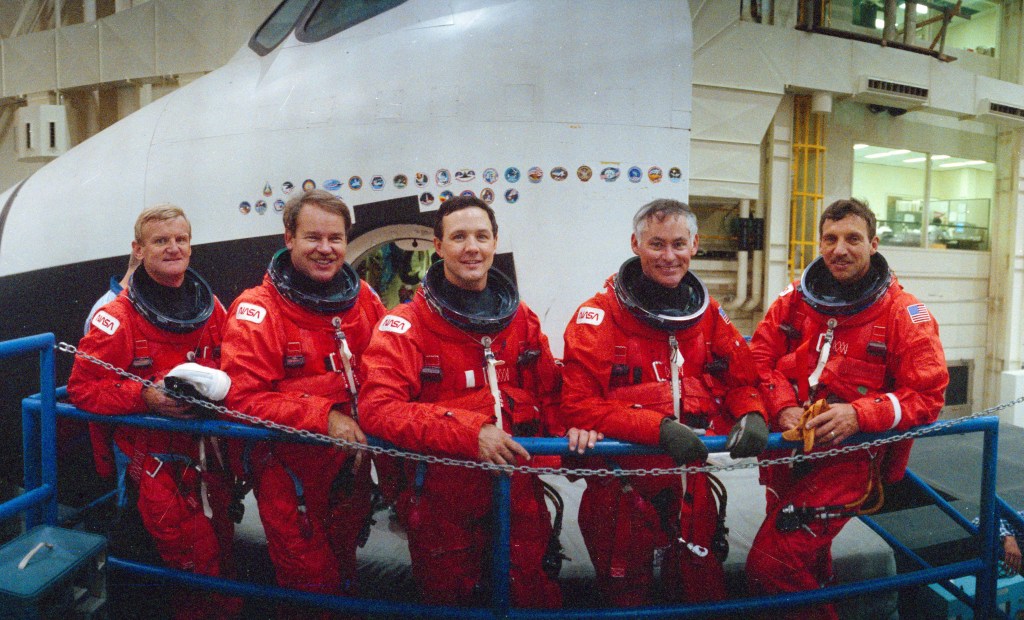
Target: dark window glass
[332,16]
[959,385]
[277,26]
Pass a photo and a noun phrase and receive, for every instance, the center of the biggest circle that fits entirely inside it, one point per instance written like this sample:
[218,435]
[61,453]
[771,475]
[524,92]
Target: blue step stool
[64,578]
[941,604]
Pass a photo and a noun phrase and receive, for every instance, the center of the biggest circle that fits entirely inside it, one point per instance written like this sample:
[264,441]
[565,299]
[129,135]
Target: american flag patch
[725,317]
[918,313]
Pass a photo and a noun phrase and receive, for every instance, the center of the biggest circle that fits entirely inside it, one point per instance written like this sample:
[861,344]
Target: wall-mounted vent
[890,94]
[1002,113]
[42,132]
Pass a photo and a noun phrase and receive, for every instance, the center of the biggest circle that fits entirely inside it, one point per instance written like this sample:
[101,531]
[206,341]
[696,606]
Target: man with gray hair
[653,359]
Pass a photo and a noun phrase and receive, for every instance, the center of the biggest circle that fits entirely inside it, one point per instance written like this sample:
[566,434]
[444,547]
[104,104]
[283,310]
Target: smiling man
[457,372]
[653,359]
[848,334]
[166,316]
[292,347]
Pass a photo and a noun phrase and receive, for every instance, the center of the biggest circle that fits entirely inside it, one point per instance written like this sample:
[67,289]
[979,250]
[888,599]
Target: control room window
[974,26]
[929,200]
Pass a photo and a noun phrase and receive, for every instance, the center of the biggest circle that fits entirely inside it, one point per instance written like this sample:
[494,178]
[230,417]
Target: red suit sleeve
[741,378]
[768,344]
[389,409]
[96,389]
[253,356]
[916,369]
[585,383]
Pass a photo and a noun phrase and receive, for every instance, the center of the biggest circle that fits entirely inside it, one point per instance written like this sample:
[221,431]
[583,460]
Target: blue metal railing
[39,503]
[38,436]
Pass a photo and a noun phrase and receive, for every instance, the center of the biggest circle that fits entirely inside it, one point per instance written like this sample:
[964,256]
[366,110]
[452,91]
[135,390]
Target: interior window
[974,26]
[277,26]
[929,200]
[332,16]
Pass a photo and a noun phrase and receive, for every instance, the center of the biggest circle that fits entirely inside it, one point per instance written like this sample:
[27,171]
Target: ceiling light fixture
[887,154]
[959,164]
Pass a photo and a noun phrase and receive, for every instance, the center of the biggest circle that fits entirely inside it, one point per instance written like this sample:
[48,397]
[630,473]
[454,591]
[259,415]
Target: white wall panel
[955,287]
[29,64]
[759,57]
[78,55]
[128,44]
[724,169]
[188,35]
[155,39]
[947,81]
[728,115]
[709,21]
[729,126]
[739,57]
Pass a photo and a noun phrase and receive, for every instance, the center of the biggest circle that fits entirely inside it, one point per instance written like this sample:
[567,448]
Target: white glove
[209,382]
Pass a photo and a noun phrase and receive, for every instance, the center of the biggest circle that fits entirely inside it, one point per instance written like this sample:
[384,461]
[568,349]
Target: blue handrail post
[39,437]
[30,459]
[48,426]
[501,561]
[985,593]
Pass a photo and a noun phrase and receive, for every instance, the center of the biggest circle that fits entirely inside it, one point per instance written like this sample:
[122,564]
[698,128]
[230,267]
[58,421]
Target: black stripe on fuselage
[57,299]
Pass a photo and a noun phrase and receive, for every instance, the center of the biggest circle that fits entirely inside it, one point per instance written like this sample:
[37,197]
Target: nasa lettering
[105,323]
[590,316]
[395,324]
[250,312]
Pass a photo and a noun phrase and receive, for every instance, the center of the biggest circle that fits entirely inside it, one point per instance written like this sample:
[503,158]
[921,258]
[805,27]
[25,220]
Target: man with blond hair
[167,316]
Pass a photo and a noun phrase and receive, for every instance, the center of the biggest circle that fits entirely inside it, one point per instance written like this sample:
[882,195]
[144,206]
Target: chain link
[526,469]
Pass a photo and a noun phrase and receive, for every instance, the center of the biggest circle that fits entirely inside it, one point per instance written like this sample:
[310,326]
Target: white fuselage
[428,85]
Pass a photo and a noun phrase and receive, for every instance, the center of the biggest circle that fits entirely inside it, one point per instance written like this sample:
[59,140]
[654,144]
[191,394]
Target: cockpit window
[330,17]
[277,26]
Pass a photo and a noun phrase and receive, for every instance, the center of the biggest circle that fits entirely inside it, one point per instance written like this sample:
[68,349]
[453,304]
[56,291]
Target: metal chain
[526,469]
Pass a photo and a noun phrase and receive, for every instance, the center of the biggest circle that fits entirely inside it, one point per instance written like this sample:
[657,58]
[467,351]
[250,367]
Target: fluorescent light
[858,147]
[959,164]
[917,160]
[922,9]
[887,154]
[879,23]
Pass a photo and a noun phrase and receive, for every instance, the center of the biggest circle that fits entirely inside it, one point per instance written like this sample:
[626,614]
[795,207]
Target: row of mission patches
[443,178]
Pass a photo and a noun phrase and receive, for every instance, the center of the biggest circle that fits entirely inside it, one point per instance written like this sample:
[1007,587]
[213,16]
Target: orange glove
[800,431]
